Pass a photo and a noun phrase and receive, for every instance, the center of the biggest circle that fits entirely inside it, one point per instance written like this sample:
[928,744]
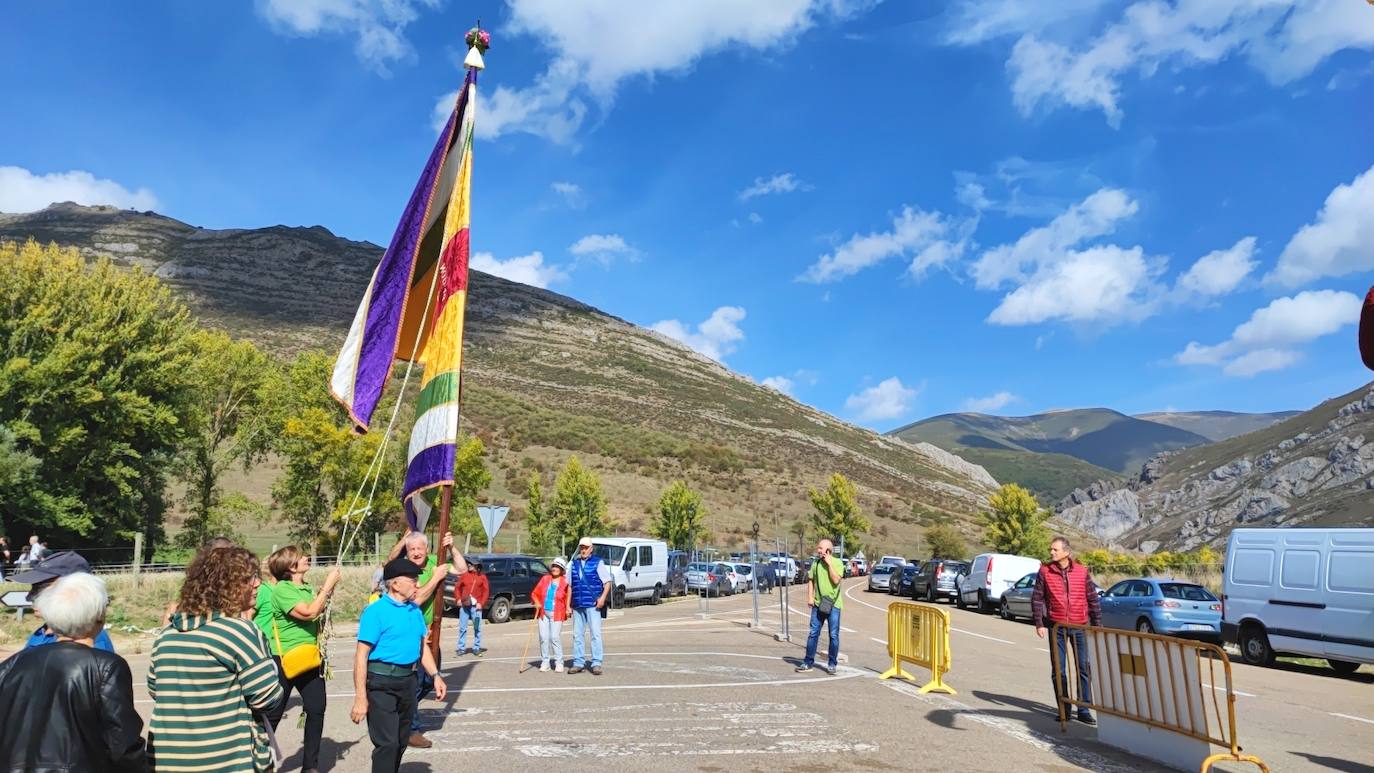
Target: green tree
[837,513]
[681,520]
[578,508]
[93,385]
[1159,563]
[1097,560]
[543,536]
[229,427]
[470,479]
[1015,523]
[945,541]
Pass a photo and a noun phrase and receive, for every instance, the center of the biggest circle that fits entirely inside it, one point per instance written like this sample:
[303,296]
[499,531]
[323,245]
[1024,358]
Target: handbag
[301,658]
[827,603]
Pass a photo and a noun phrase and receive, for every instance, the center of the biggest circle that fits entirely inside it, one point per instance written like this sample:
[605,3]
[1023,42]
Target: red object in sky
[1367,330]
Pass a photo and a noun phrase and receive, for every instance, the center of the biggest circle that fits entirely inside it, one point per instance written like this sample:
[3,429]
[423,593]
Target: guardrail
[1154,680]
[919,634]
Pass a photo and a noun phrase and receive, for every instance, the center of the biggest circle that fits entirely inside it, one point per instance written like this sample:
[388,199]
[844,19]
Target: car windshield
[743,569]
[1185,591]
[955,566]
[700,567]
[611,554]
[882,569]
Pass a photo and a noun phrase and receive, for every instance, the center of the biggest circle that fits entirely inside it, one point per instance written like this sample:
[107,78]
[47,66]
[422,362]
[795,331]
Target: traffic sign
[492,517]
[16,599]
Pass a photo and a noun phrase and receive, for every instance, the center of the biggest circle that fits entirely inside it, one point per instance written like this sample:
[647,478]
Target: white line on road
[1223,689]
[981,636]
[880,641]
[1357,719]
[848,594]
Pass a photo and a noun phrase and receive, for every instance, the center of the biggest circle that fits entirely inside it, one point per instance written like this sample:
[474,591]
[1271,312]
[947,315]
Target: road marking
[1357,719]
[880,641]
[981,636]
[1042,649]
[848,594]
[1223,689]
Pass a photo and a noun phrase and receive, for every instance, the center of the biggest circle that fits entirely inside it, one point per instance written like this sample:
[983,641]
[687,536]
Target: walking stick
[524,655]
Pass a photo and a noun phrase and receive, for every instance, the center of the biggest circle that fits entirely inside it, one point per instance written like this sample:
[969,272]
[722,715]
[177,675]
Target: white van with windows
[1299,591]
[989,576]
[639,567]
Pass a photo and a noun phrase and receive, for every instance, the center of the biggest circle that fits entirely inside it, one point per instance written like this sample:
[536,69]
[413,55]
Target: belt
[381,668]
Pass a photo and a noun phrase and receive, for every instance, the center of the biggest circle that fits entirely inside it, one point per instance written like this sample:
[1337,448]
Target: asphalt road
[687,691]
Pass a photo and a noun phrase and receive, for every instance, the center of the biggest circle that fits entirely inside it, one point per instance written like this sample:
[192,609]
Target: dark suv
[936,578]
[512,579]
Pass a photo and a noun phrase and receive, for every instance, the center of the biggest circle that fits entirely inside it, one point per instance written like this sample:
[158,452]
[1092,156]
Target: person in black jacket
[69,706]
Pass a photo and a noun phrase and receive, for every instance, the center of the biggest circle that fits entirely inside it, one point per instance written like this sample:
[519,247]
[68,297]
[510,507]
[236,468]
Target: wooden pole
[445,503]
[138,557]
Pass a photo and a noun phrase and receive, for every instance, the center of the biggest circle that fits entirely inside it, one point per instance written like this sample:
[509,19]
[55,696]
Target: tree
[578,508]
[543,536]
[1015,523]
[681,520]
[93,385]
[228,427]
[470,478]
[946,542]
[837,515]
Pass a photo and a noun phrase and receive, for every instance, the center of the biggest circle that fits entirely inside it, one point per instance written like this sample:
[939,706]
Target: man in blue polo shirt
[45,574]
[392,640]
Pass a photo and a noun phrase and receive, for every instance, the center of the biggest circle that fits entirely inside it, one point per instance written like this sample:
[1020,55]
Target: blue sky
[888,209]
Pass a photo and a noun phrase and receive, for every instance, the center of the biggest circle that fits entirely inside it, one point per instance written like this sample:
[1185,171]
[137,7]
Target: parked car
[744,575]
[639,567]
[935,579]
[711,579]
[1016,601]
[677,572]
[785,567]
[891,561]
[902,583]
[1152,605]
[989,576]
[860,567]
[512,579]
[881,577]
[1303,592]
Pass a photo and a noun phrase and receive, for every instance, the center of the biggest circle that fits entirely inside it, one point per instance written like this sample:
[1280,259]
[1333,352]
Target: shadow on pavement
[1335,763]
[415,767]
[331,754]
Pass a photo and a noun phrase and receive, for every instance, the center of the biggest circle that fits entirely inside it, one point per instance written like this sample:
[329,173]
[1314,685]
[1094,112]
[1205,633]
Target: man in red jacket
[1065,593]
[471,593]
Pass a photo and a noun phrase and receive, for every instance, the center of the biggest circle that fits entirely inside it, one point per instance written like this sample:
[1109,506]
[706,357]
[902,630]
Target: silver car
[1016,600]
[881,577]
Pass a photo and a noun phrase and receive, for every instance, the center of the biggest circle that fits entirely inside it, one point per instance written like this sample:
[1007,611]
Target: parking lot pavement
[1295,717]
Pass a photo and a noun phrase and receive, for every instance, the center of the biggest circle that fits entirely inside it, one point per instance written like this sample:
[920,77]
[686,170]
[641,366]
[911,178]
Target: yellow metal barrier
[1155,680]
[919,634]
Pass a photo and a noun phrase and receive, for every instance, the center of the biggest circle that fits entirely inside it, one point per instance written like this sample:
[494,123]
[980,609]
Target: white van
[989,575]
[1300,591]
[639,567]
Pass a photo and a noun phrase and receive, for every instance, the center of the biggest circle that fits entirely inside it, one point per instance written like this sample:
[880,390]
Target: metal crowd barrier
[919,634]
[1154,680]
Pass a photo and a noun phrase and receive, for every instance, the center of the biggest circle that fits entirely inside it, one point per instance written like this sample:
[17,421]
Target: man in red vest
[1065,593]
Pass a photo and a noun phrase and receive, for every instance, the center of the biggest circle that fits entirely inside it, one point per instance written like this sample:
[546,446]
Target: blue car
[1161,606]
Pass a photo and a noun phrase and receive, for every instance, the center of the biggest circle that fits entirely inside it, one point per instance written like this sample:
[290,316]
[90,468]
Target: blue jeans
[814,637]
[1063,638]
[475,615]
[586,622]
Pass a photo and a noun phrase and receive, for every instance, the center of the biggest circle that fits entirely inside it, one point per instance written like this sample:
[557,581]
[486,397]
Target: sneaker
[544,665]
[458,652]
[1087,719]
[596,670]
[575,670]
[828,669]
[558,667]
[479,653]
[803,668]
[419,741]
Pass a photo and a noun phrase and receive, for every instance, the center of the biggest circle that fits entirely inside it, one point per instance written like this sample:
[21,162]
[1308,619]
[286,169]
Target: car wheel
[618,598]
[1254,645]
[500,610]
[1005,611]
[1343,667]
[983,605]
[657,598]
[1144,626]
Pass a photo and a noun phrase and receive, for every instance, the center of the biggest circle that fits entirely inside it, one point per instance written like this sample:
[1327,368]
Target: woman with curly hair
[211,675]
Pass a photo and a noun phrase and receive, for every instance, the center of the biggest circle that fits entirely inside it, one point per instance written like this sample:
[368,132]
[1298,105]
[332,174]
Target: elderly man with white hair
[68,705]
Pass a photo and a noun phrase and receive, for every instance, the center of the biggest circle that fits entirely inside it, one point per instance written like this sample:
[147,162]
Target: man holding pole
[1065,593]
[824,598]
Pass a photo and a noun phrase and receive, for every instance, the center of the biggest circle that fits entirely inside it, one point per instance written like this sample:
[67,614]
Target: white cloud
[990,403]
[884,402]
[913,231]
[24,191]
[1095,216]
[716,337]
[572,193]
[598,44]
[1340,242]
[378,25]
[1066,57]
[1220,271]
[1265,341]
[603,248]
[780,383]
[526,269]
[755,218]
[778,183]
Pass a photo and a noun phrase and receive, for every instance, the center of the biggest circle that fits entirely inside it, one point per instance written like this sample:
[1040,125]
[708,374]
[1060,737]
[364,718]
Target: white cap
[585,542]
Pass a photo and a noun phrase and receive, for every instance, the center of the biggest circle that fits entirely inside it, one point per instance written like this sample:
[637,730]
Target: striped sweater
[208,675]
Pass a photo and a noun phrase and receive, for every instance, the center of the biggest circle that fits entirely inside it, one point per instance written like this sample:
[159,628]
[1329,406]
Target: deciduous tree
[578,508]
[946,542]
[837,513]
[1014,523]
[681,520]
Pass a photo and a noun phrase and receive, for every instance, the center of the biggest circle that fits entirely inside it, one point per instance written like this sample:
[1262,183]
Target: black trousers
[311,687]
[390,704]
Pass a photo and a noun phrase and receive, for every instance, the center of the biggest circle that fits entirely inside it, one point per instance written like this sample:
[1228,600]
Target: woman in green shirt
[295,612]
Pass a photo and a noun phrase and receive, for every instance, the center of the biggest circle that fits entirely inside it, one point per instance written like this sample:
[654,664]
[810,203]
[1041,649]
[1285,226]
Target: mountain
[1051,453]
[545,376]
[1314,469]
[1217,425]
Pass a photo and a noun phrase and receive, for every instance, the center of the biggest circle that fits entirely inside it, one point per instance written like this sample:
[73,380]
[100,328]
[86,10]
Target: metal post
[754,572]
[517,542]
[467,544]
[377,546]
[138,557]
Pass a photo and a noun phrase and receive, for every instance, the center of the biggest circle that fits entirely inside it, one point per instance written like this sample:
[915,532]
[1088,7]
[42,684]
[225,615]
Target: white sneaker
[543,665]
[558,667]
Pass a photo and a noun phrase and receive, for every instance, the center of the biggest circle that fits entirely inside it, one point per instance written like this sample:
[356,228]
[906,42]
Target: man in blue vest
[591,584]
